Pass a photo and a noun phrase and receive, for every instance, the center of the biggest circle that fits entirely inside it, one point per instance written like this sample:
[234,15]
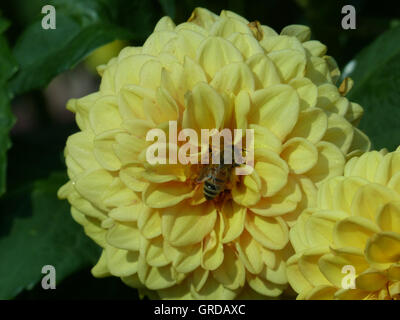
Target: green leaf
[7,68]
[36,229]
[376,78]
[81,27]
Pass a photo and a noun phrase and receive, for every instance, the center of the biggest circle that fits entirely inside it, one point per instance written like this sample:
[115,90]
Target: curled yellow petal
[300,155]
[184,225]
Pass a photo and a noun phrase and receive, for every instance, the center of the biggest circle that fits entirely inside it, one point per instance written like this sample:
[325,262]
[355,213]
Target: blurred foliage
[7,68]
[35,228]
[376,78]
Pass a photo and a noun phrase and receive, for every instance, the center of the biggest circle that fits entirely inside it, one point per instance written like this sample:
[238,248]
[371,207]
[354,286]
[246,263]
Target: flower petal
[104,152]
[104,115]
[100,270]
[192,74]
[92,185]
[302,33]
[249,253]
[273,172]
[371,280]
[214,53]
[388,167]
[340,132]
[130,102]
[129,213]
[164,24]
[296,279]
[155,278]
[247,193]
[344,192]
[311,125]
[213,290]
[383,249]
[319,227]
[204,108]
[353,232]
[184,225]
[308,266]
[149,223]
[242,108]
[184,259]
[290,63]
[264,287]
[315,48]
[308,200]
[80,148]
[131,176]
[234,77]
[388,217]
[231,273]
[121,263]
[283,202]
[282,43]
[264,71]
[394,182]
[128,70]
[369,198]
[365,166]
[272,233]
[168,194]
[246,43]
[322,292]
[234,217]
[156,41]
[224,27]
[307,92]
[212,248]
[124,236]
[300,155]
[153,252]
[330,163]
[265,139]
[203,17]
[275,107]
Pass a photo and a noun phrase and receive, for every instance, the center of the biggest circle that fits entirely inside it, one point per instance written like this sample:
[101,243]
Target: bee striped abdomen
[211,190]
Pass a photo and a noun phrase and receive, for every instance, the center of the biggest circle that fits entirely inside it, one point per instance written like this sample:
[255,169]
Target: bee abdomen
[211,190]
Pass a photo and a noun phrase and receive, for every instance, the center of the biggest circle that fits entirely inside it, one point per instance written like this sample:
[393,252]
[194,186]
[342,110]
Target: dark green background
[36,228]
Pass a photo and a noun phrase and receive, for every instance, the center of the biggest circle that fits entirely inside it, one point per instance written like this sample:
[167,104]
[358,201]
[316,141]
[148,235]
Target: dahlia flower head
[158,232]
[355,227]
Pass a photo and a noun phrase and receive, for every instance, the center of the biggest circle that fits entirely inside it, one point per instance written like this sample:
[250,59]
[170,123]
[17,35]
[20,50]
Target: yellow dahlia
[354,228]
[158,231]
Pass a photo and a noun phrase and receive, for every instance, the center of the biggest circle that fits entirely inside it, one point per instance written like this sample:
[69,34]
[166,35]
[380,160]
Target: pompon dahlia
[355,227]
[158,231]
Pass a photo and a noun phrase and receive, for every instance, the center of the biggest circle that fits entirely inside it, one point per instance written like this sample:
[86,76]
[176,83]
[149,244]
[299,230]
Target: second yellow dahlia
[353,231]
[157,230]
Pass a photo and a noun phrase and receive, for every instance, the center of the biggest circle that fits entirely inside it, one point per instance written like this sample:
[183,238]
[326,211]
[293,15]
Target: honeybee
[215,178]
